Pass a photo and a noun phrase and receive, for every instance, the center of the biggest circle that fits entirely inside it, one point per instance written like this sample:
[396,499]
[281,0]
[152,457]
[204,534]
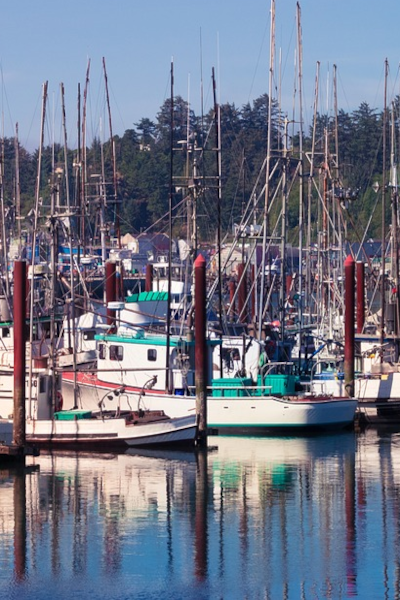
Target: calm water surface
[298,518]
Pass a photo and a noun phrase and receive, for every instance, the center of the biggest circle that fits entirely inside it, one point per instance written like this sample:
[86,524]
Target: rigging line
[258,60]
[288,45]
[4,95]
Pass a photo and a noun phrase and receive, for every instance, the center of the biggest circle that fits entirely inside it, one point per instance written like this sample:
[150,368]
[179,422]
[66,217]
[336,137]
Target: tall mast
[268,161]
[282,298]
[395,228]
[114,168]
[55,209]
[17,190]
[3,219]
[70,236]
[301,187]
[65,150]
[383,252]
[170,206]
[335,102]
[34,233]
[103,201]
[309,193]
[84,162]
[218,151]
[78,175]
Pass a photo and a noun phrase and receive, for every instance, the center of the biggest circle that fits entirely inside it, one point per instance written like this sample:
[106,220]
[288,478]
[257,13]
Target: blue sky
[51,40]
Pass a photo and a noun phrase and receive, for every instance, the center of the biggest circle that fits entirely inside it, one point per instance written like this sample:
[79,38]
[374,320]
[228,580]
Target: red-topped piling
[19,352]
[149,278]
[360,296]
[111,290]
[349,271]
[200,347]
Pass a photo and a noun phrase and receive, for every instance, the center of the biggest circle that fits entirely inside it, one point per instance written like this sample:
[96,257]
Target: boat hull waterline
[262,412]
[113,432]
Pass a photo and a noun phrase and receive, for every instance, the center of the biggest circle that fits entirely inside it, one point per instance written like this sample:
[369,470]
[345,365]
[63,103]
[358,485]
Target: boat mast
[5,276]
[71,255]
[217,116]
[168,381]
[103,202]
[301,187]
[282,294]
[83,193]
[395,229]
[113,161]
[267,166]
[309,280]
[34,233]
[341,222]
[78,175]
[53,220]
[17,191]
[383,252]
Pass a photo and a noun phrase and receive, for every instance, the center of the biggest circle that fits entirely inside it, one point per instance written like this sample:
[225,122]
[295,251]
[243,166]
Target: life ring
[59,401]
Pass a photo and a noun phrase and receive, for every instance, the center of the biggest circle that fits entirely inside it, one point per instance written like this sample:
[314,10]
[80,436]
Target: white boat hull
[279,413]
[378,395]
[112,432]
[246,412]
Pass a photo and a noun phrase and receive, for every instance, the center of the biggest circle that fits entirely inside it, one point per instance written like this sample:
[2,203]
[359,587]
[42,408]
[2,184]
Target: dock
[9,450]
[379,412]
[17,453]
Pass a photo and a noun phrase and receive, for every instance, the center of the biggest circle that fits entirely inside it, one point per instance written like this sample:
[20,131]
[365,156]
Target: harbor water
[255,518]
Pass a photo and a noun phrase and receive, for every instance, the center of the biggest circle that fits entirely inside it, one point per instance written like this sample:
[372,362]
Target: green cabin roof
[147,296]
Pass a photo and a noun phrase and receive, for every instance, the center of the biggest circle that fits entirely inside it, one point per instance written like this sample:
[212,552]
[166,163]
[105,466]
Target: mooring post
[349,272]
[200,348]
[149,278]
[360,296]
[111,290]
[19,306]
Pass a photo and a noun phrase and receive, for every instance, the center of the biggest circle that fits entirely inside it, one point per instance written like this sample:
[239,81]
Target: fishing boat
[131,372]
[107,430]
[101,429]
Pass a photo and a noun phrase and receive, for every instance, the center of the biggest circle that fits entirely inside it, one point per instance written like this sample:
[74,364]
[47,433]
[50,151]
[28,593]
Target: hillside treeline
[146,182]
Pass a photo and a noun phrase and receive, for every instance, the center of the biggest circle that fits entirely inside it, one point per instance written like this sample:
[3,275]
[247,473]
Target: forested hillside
[143,165]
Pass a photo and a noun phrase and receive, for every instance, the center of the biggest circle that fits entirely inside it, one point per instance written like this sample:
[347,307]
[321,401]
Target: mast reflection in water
[313,517]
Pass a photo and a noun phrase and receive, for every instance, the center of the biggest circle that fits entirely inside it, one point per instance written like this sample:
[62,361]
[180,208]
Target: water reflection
[259,518]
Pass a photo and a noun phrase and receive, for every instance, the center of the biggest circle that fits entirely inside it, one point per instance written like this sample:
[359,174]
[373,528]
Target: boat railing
[251,391]
[234,391]
[283,367]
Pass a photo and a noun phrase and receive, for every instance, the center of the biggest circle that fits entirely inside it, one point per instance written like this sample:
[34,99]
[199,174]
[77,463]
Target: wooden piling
[19,352]
[149,278]
[360,296]
[200,348]
[349,270]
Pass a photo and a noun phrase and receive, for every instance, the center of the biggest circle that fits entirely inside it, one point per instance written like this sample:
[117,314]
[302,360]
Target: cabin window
[228,356]
[6,332]
[42,385]
[116,352]
[102,351]
[152,354]
[89,334]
